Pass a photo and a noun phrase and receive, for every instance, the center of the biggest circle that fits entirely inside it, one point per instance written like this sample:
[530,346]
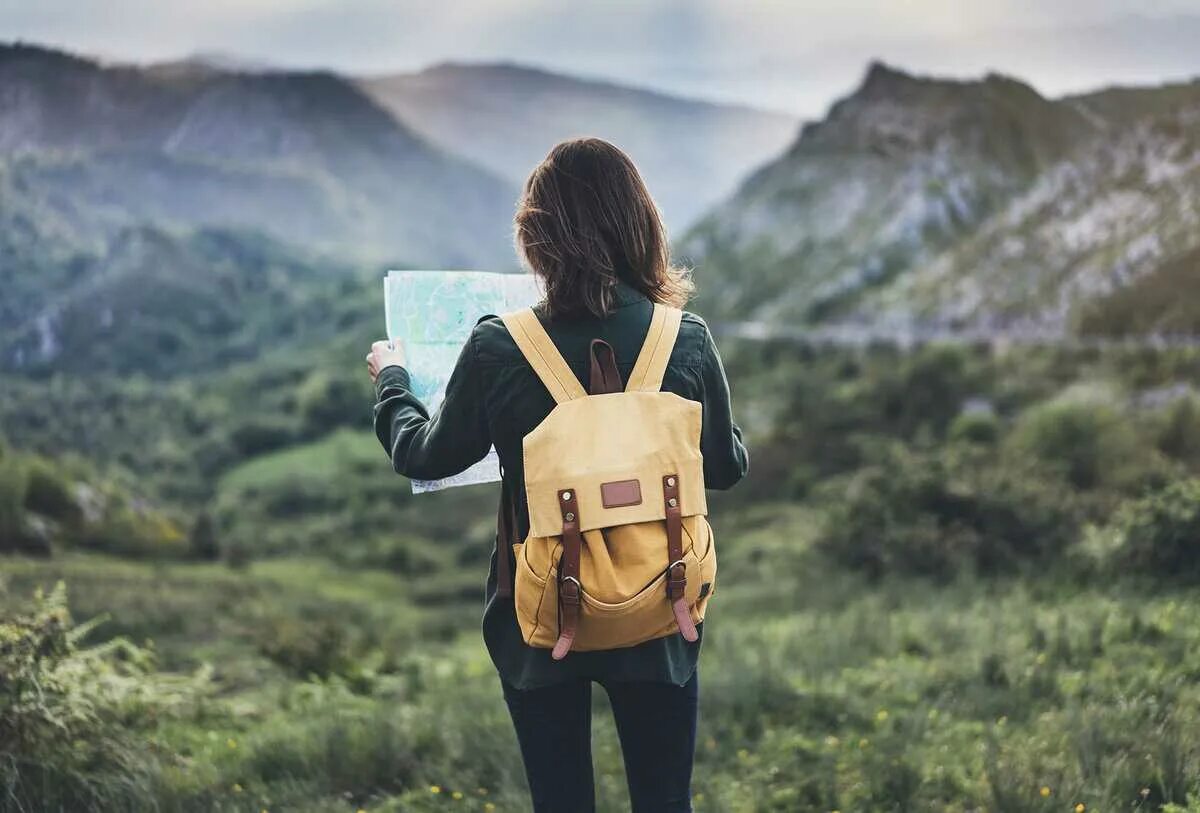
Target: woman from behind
[589,229]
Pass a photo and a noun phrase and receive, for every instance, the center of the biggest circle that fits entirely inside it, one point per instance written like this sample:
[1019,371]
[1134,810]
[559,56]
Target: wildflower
[864,742]
[237,788]
[1079,808]
[881,715]
[832,741]
[231,742]
[489,806]
[482,791]
[1045,791]
[456,795]
[435,789]
[1144,792]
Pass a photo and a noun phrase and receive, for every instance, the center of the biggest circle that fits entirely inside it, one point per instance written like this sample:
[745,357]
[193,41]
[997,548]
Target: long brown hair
[585,221]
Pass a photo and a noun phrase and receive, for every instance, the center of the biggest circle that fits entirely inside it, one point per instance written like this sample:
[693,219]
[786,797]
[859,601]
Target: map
[432,313]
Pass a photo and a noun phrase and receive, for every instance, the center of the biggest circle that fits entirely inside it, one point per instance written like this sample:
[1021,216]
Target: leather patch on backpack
[620,492]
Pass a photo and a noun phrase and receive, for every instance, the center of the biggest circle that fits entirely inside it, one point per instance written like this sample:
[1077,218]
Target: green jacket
[493,398]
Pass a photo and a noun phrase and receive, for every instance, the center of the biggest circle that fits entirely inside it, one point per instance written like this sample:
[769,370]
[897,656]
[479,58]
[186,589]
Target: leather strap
[539,350]
[605,377]
[676,569]
[651,365]
[506,537]
[569,589]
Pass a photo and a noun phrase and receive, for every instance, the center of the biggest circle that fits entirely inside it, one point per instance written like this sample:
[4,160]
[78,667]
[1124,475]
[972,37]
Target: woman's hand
[384,354]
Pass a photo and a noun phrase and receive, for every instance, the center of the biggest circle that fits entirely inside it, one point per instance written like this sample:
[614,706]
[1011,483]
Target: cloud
[793,55]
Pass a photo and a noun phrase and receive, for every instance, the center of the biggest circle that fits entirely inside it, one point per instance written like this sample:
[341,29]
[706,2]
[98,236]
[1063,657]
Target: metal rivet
[672,502]
[671,482]
[570,517]
[566,496]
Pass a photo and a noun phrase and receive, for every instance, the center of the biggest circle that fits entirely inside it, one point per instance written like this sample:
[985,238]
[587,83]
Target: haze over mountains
[106,170]
[304,157]
[981,203]
[915,202]
[506,117]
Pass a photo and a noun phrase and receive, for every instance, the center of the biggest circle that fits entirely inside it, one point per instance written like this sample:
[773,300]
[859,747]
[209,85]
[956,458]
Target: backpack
[619,549]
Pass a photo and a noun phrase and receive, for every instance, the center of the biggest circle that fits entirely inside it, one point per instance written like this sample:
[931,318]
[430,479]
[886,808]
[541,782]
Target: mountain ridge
[304,156]
[506,116]
[920,199]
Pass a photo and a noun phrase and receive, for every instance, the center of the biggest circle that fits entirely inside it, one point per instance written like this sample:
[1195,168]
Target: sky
[790,55]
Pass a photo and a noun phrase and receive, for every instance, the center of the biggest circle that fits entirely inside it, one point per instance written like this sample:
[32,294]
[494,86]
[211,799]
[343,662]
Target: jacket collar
[625,294]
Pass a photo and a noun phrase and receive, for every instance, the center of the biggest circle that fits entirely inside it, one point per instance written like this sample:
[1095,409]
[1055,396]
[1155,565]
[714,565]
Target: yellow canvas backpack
[619,550]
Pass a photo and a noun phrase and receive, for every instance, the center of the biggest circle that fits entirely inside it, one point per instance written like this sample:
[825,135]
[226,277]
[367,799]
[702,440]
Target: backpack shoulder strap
[651,365]
[539,350]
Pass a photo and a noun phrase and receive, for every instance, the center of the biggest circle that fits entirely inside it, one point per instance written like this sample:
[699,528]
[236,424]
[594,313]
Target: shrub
[925,514]
[975,427]
[327,401]
[306,648]
[934,382]
[135,530]
[1179,432]
[261,435]
[49,493]
[1160,533]
[237,554]
[14,485]
[1087,443]
[69,714]
[202,540]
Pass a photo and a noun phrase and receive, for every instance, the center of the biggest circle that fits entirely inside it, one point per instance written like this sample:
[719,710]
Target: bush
[327,401]
[14,485]
[261,435]
[932,515]
[1179,432]
[934,382]
[1089,444]
[306,648]
[68,715]
[49,493]
[1159,534]
[135,530]
[975,427]
[203,538]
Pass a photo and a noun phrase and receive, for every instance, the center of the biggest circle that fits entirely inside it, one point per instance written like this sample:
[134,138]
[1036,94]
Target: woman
[587,226]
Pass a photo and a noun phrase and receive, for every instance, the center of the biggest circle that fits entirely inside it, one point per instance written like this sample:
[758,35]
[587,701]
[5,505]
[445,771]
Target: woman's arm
[725,457]
[422,446]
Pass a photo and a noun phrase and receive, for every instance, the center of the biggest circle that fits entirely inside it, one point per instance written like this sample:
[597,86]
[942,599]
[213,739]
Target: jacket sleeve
[725,457]
[430,447]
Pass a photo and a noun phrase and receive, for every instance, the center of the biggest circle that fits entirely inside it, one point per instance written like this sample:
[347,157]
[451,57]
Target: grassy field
[957,579]
[313,688]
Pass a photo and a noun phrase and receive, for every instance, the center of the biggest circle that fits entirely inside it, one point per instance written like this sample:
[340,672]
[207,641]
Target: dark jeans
[656,723]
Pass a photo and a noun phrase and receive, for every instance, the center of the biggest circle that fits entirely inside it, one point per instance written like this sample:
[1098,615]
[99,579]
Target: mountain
[506,117]
[165,305]
[305,157]
[958,203]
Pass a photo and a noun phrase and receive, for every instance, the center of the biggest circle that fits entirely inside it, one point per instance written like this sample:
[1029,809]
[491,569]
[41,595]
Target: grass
[821,690]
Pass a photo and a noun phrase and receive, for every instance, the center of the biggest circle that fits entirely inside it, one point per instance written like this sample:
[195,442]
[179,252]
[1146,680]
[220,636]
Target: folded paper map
[432,313]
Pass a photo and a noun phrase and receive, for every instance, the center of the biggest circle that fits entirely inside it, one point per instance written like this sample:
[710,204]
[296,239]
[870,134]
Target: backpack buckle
[676,579]
[569,590]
